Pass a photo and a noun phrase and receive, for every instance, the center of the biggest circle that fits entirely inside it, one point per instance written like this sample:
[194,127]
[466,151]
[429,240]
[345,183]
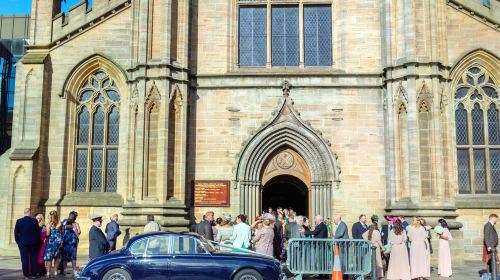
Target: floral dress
[54,244]
[70,242]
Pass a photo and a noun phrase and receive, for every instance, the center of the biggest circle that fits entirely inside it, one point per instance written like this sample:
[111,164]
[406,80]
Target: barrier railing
[315,256]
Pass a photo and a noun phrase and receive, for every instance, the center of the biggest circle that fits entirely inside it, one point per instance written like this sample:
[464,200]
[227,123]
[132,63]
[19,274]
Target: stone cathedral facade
[326,106]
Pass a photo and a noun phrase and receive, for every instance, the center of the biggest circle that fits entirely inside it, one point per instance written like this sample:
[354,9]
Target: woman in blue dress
[53,248]
[70,240]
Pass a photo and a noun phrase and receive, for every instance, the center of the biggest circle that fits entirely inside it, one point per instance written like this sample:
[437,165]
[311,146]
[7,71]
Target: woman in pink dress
[399,267]
[373,235]
[43,238]
[419,251]
[444,261]
[264,235]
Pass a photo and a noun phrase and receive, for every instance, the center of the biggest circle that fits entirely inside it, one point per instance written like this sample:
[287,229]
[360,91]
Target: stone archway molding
[287,129]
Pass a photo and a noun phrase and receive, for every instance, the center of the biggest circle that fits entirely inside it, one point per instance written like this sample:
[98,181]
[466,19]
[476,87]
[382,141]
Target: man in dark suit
[205,227]
[359,227]
[291,226]
[342,232]
[320,230]
[386,230]
[490,240]
[113,231]
[27,236]
[98,246]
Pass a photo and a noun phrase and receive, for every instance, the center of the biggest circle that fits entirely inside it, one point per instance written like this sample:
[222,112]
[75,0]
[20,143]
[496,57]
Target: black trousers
[29,258]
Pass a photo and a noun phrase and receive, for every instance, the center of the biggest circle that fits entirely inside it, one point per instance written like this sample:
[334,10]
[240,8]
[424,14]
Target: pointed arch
[481,57]
[287,129]
[475,89]
[89,65]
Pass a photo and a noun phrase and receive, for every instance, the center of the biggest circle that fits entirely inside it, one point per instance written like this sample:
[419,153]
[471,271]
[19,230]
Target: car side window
[158,245]
[184,245]
[139,247]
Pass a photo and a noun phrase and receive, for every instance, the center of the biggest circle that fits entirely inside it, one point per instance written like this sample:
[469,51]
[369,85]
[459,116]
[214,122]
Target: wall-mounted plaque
[211,193]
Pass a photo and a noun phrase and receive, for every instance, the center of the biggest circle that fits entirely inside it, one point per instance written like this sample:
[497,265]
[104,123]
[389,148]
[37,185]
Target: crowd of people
[403,250]
[46,248]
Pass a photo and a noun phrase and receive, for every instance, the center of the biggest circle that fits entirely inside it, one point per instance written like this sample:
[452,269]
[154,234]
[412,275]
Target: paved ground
[10,269]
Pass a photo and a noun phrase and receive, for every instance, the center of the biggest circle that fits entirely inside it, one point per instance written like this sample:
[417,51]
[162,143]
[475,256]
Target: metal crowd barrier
[316,256]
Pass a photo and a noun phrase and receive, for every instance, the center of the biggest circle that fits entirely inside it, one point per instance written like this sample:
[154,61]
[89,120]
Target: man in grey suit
[205,227]
[490,240]
[342,232]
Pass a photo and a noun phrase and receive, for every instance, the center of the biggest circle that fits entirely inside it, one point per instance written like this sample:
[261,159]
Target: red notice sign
[211,193]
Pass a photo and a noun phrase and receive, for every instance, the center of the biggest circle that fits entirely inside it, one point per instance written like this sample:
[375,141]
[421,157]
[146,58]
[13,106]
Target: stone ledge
[486,201]
[90,199]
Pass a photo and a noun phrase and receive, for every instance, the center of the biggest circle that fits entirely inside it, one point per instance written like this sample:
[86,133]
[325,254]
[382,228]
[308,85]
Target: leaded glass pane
[98,127]
[113,126]
[86,95]
[476,95]
[495,170]
[100,99]
[100,74]
[285,36]
[481,78]
[111,170]
[474,70]
[81,170]
[83,126]
[252,36]
[493,125]
[95,84]
[461,125]
[470,80]
[317,35]
[461,92]
[477,125]
[96,174]
[113,95]
[463,171]
[490,91]
[479,171]
[105,82]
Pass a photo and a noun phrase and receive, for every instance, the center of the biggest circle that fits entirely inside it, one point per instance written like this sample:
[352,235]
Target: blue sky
[9,7]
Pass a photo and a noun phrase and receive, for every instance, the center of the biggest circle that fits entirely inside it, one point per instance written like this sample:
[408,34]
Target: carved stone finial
[285,87]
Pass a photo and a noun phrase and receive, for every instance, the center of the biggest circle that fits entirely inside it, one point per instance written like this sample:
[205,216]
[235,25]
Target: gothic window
[317,35]
[477,132]
[253,36]
[96,149]
[285,35]
[286,23]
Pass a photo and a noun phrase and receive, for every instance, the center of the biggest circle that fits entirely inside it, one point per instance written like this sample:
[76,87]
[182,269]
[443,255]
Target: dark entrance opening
[286,191]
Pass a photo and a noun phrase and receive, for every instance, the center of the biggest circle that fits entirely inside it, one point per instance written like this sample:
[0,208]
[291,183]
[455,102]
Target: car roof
[161,233]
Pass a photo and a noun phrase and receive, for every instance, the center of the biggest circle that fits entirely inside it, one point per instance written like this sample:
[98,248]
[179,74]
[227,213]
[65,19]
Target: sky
[20,7]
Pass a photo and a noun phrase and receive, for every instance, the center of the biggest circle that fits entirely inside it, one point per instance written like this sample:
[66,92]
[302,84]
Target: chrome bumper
[77,276]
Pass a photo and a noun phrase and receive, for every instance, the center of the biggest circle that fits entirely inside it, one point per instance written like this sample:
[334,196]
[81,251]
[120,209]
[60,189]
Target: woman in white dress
[444,261]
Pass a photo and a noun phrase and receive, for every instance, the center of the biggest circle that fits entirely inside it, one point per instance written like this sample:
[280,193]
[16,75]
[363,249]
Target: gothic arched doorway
[288,192]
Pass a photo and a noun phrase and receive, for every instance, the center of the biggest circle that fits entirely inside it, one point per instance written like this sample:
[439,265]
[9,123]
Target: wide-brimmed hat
[391,219]
[268,216]
[226,217]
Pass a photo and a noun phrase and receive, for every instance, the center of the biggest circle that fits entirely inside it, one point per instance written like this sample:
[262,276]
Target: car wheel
[117,274]
[248,274]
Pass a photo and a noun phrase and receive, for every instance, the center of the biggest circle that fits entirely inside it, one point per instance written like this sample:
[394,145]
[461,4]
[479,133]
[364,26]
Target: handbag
[387,249]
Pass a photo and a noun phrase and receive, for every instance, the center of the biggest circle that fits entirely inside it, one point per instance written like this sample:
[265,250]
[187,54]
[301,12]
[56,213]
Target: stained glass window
[252,36]
[317,35]
[285,36]
[97,135]
[476,116]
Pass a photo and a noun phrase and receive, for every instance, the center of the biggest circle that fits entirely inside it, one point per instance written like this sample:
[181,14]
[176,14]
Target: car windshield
[207,245]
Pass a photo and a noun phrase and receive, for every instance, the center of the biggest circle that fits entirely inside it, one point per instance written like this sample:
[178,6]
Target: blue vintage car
[176,256]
